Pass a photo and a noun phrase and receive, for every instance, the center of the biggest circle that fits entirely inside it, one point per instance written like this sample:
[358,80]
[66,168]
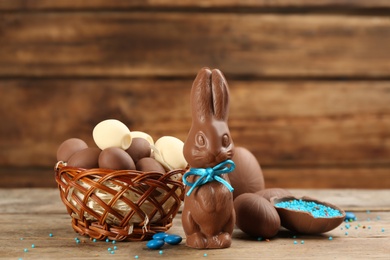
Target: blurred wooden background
[309,81]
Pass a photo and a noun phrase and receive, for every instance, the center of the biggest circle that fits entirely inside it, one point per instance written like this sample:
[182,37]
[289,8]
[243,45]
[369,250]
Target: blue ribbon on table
[209,175]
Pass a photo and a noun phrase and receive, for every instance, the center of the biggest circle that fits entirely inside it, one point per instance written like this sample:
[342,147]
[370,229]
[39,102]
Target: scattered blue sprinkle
[356,227]
[295,242]
[136,257]
[378,217]
[115,247]
[383,230]
[346,233]
[32,246]
[315,209]
[107,240]
[259,238]
[94,240]
[204,254]
[21,238]
[330,238]
[113,241]
[109,249]
[160,252]
[51,235]
[369,227]
[112,252]
[25,250]
[302,242]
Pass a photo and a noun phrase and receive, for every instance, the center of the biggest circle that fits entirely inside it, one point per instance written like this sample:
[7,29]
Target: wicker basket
[119,205]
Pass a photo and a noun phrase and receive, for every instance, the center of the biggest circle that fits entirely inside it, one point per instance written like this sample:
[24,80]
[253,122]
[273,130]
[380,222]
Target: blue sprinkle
[112,252]
[94,240]
[115,247]
[295,242]
[259,238]
[25,250]
[51,235]
[160,252]
[109,249]
[315,209]
[32,246]
[383,230]
[107,240]
[21,238]
[204,254]
[136,257]
[356,227]
[330,238]
[346,233]
[294,236]
[302,242]
[113,241]
[378,217]
[369,227]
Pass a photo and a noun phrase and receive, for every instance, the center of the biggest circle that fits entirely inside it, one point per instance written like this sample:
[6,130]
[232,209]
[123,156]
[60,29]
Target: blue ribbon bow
[209,175]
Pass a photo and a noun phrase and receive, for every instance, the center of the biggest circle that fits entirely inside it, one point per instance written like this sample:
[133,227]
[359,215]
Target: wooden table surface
[28,216]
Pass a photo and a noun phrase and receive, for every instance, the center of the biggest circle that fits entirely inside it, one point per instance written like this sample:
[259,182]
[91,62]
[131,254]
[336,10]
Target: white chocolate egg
[139,134]
[168,151]
[112,133]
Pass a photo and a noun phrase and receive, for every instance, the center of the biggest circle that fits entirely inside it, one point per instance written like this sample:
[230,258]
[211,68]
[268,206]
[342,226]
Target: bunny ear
[201,96]
[220,95]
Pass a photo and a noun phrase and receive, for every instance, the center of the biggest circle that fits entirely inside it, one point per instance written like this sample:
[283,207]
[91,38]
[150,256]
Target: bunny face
[209,142]
[209,145]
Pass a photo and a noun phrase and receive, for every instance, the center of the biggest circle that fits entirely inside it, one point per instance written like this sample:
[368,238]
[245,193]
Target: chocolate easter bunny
[208,216]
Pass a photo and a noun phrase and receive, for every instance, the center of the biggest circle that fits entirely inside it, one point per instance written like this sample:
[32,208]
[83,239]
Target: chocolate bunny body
[208,216]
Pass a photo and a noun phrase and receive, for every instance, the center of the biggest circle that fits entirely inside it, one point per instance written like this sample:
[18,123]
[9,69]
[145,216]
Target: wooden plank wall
[309,81]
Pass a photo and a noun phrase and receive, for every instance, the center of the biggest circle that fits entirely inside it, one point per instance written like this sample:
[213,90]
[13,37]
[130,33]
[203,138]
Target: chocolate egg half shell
[69,147]
[304,222]
[86,158]
[273,192]
[256,216]
[247,176]
[116,159]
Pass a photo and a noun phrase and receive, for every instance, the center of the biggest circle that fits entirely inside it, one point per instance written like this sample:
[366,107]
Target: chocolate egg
[168,151]
[139,148]
[326,216]
[256,216]
[148,164]
[69,147]
[86,158]
[139,134]
[116,159]
[273,192]
[247,176]
[111,133]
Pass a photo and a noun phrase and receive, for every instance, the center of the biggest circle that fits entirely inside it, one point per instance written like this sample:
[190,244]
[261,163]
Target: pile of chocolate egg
[255,214]
[118,148]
